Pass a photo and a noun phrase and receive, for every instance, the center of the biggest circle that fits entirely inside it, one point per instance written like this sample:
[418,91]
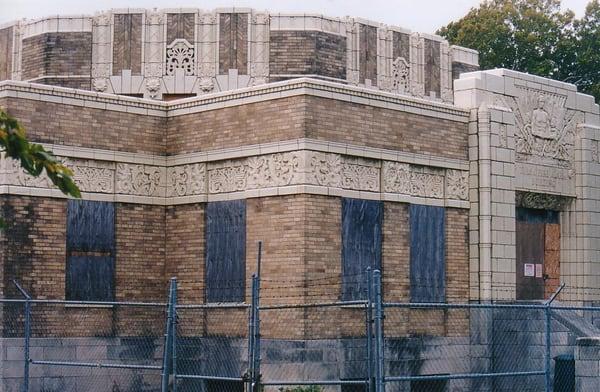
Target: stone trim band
[291,172]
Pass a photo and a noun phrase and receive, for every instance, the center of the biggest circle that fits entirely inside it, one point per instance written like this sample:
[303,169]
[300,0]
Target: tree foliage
[534,36]
[33,158]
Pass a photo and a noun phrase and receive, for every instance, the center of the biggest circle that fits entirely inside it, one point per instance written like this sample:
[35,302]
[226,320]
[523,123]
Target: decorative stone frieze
[256,172]
[274,170]
[420,181]
[186,180]
[230,178]
[541,201]
[92,176]
[457,184]
[140,180]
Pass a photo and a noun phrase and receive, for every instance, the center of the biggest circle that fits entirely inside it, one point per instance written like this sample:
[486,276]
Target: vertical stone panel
[368,54]
[6,44]
[401,46]
[127,43]
[180,26]
[432,68]
[233,43]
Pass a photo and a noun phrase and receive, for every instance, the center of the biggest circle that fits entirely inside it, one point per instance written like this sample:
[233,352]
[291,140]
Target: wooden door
[530,260]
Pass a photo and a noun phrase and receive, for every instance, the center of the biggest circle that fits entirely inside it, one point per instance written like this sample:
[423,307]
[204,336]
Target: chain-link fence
[293,344]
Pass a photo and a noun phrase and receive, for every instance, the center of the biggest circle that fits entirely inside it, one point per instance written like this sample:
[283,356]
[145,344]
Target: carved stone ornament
[92,176]
[180,55]
[457,184]
[206,84]
[100,84]
[154,18]
[406,179]
[227,179]
[400,75]
[153,86]
[359,176]
[186,180]
[544,127]
[273,170]
[541,201]
[102,19]
[141,180]
[595,151]
[325,169]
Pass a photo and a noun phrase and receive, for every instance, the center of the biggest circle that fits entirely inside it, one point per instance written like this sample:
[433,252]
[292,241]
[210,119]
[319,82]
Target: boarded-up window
[225,251]
[90,250]
[427,253]
[361,244]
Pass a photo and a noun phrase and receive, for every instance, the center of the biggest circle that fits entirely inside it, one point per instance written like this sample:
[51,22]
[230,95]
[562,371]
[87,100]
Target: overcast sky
[418,15]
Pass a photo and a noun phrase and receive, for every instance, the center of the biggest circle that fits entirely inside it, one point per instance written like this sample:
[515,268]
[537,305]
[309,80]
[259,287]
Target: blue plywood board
[361,244]
[90,226]
[427,253]
[90,278]
[225,251]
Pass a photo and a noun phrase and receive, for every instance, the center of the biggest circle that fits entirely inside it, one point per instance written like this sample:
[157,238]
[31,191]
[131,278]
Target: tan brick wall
[396,252]
[262,122]
[140,265]
[307,52]
[35,255]
[396,276]
[318,118]
[57,54]
[86,127]
[83,83]
[185,250]
[332,120]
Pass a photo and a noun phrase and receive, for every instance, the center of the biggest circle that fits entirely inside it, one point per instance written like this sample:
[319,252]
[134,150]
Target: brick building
[340,143]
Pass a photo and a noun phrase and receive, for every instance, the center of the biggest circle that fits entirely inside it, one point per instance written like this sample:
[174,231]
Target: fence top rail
[214,306]
[463,306]
[315,305]
[83,303]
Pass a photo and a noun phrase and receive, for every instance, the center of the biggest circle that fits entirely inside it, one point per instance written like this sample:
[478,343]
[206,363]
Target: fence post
[547,355]
[168,336]
[369,329]
[379,349]
[251,334]
[548,325]
[256,339]
[174,335]
[26,336]
[27,344]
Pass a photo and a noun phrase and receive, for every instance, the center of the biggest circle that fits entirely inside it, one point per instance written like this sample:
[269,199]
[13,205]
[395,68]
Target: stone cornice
[270,91]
